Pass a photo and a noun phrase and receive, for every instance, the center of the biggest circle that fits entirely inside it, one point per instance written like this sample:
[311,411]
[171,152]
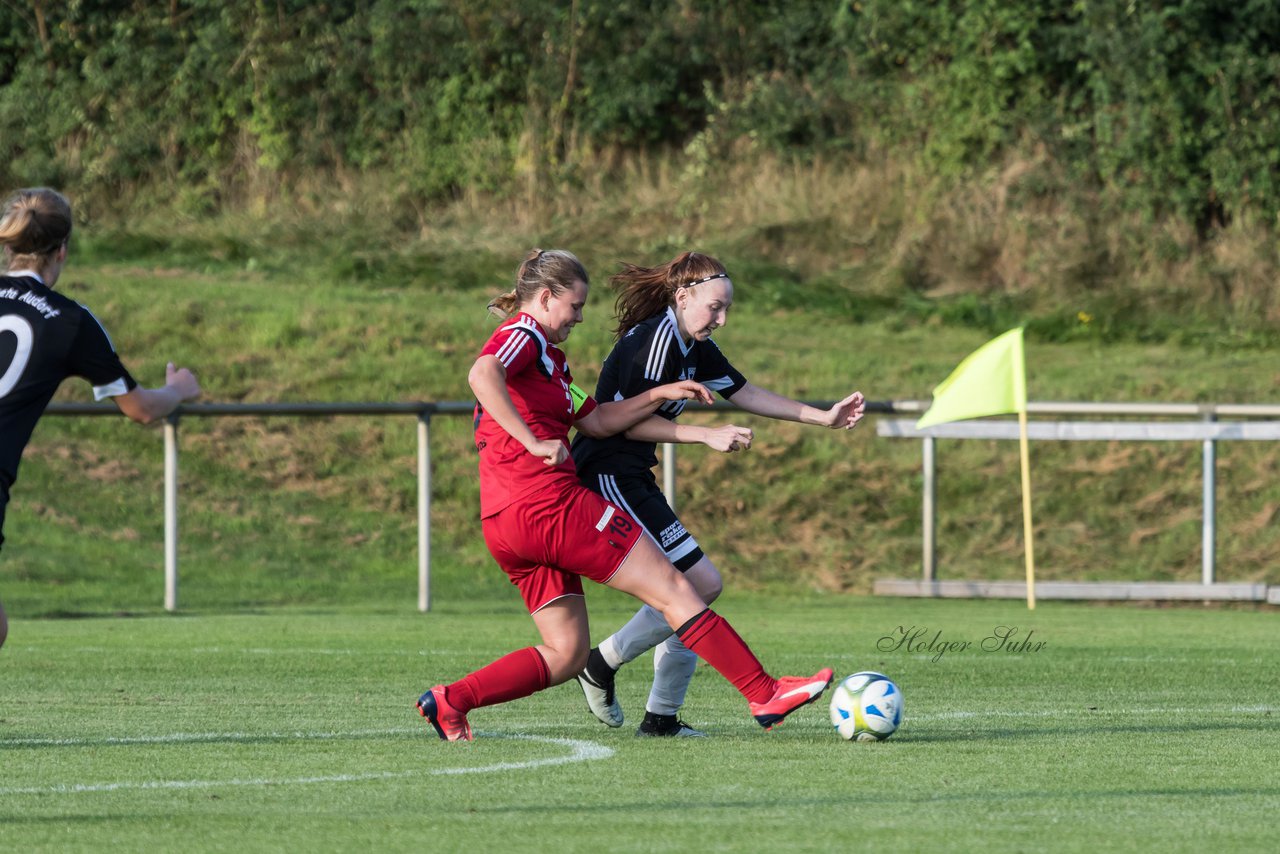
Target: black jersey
[45,337]
[651,354]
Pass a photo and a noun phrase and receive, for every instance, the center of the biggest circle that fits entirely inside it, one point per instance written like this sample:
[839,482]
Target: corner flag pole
[992,380]
[1026,510]
[1020,394]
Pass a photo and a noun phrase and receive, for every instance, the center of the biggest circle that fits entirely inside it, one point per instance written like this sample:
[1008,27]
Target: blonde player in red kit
[547,531]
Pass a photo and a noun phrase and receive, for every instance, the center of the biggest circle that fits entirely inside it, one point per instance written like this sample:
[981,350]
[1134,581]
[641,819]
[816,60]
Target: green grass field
[275,712]
[1131,728]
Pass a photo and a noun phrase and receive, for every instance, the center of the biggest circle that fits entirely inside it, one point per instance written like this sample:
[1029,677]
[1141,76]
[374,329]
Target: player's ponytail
[645,291]
[35,223]
[504,305]
[541,268]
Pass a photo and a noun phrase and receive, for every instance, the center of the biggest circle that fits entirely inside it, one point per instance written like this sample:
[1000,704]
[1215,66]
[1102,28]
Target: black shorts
[642,500]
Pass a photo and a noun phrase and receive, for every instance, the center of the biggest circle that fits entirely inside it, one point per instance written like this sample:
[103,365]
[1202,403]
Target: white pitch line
[1084,710]
[581,751]
[262,650]
[203,738]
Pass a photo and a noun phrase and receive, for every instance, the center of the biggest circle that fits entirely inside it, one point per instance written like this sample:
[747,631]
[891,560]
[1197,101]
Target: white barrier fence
[1206,429]
[422,411]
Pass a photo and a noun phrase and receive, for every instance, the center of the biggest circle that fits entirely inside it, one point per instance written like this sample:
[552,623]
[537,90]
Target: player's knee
[710,588]
[570,662]
[565,660]
[706,580]
[684,594]
[578,659]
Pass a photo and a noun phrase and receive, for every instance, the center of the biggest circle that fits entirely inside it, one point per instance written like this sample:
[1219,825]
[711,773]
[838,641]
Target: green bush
[1168,107]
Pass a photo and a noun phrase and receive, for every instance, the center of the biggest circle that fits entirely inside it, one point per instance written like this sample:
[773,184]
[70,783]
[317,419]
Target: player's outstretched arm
[619,415]
[725,439]
[844,415]
[145,405]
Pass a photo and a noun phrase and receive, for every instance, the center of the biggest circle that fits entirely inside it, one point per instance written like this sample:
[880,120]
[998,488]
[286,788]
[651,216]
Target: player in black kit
[666,315]
[46,337]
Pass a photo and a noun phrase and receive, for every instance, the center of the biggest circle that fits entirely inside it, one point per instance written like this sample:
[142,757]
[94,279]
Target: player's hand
[552,451]
[182,381]
[846,414]
[728,439]
[685,390]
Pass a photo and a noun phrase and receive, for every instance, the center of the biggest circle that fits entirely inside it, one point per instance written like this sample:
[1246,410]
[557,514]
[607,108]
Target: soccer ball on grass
[866,706]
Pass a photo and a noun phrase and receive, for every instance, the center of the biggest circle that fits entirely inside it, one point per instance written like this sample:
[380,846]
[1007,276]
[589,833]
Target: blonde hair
[541,268]
[36,223]
[645,291]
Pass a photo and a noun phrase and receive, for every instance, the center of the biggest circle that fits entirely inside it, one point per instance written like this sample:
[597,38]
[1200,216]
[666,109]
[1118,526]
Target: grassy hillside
[318,510]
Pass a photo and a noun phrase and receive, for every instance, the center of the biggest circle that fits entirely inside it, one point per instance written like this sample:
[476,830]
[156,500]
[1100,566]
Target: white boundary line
[580,751]
[1099,711]
[204,738]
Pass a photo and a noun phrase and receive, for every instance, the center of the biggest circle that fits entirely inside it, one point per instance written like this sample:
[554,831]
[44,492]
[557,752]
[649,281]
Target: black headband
[705,279]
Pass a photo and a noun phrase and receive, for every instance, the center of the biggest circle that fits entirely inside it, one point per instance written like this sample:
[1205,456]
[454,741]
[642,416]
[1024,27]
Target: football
[866,706]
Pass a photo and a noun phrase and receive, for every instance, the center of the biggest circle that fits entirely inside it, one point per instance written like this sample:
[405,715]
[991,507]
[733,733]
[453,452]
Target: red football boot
[450,724]
[793,692]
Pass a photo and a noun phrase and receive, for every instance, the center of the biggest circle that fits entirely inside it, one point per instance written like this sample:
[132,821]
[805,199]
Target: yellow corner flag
[992,380]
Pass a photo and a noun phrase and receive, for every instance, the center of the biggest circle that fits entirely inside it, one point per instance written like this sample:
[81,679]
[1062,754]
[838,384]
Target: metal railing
[424,412]
[1206,428]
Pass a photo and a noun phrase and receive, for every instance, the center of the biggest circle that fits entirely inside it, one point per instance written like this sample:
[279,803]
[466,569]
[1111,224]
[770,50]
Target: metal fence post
[171,512]
[669,473]
[1209,536]
[929,499]
[424,511]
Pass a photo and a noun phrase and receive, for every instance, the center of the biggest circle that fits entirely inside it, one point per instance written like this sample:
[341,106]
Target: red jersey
[538,381]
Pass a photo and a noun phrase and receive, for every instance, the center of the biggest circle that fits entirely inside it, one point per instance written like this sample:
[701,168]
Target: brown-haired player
[666,315]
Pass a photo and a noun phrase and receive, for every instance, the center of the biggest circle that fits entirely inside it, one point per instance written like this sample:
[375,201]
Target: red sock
[714,640]
[515,675]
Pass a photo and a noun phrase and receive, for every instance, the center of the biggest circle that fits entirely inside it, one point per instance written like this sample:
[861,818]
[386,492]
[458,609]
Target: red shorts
[547,541]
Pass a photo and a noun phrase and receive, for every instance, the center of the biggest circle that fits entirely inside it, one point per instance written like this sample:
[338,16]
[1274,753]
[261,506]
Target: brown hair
[35,223]
[645,291]
[541,268]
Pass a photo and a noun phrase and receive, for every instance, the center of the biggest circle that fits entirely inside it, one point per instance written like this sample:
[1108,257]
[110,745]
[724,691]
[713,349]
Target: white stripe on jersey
[658,347]
[110,389]
[683,549]
[609,489]
[667,333]
[671,318]
[511,348]
[718,384]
